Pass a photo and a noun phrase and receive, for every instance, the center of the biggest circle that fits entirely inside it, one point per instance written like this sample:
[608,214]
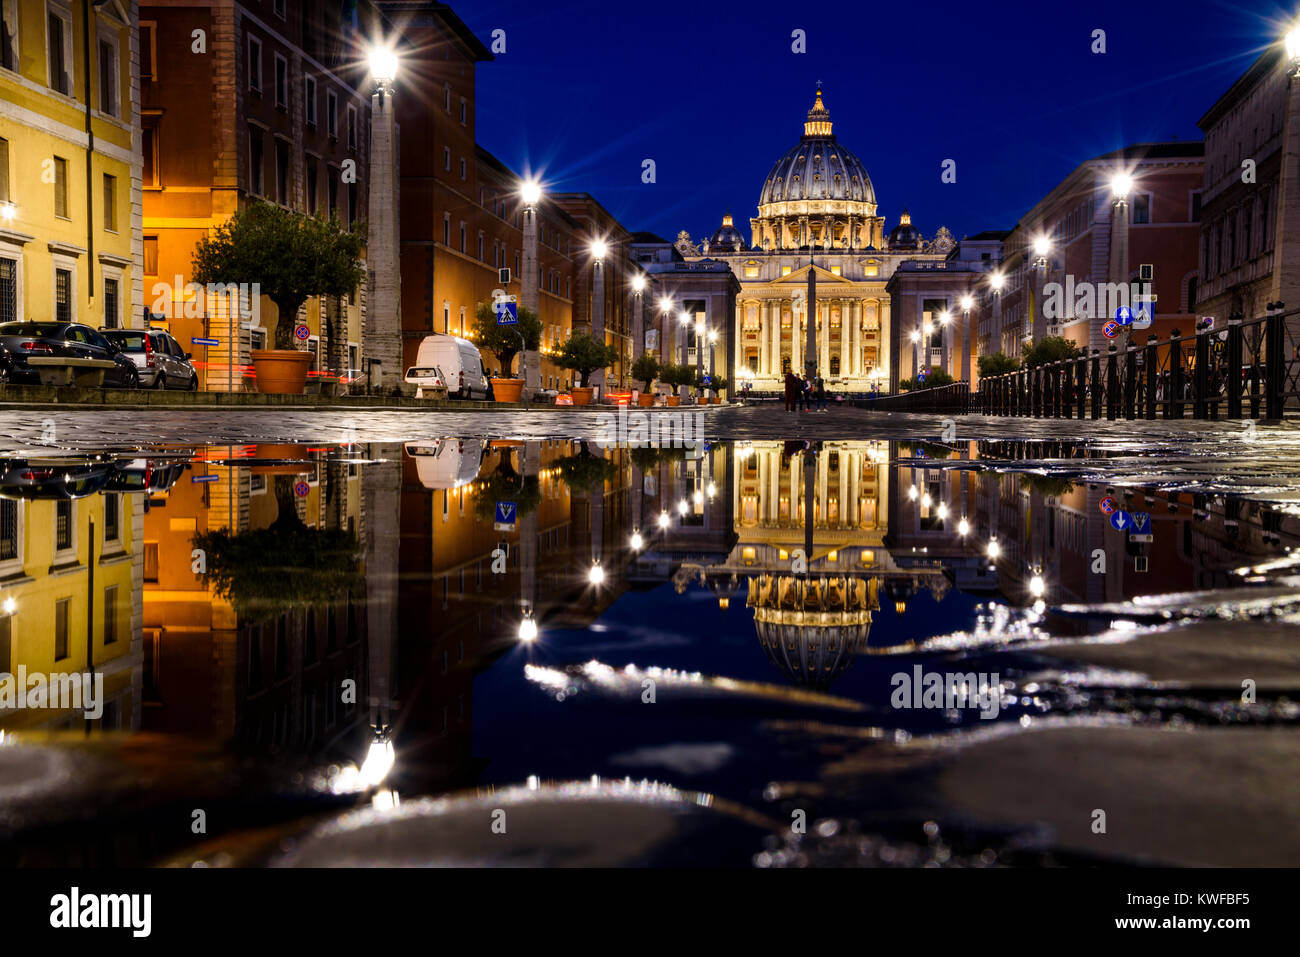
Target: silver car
[159,358]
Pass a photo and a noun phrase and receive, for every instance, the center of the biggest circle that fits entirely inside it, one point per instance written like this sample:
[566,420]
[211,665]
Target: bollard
[1152,364]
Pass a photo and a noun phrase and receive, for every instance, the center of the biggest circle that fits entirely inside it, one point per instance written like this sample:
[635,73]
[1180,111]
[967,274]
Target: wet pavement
[763,640]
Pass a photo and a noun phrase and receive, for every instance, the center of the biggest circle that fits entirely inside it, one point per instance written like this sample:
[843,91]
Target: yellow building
[64,561]
[69,169]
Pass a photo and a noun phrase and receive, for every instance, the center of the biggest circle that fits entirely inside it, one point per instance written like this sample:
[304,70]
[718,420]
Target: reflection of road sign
[301,489]
[1107,505]
[507,312]
[1111,329]
[1124,316]
[1121,520]
[205,342]
[199,479]
[1141,529]
[503,520]
[302,333]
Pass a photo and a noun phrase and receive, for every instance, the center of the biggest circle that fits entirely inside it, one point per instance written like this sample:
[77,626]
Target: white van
[446,463]
[450,361]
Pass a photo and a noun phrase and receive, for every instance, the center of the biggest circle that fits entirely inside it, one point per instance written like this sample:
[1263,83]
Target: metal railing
[1250,369]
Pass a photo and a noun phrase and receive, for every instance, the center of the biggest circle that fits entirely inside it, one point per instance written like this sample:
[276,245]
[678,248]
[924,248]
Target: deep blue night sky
[587,89]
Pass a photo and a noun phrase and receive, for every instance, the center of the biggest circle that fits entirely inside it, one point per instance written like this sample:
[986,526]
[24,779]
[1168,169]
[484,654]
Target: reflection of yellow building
[69,242]
[57,557]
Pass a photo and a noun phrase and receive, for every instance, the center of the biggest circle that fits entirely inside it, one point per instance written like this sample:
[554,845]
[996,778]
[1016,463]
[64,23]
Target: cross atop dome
[819,118]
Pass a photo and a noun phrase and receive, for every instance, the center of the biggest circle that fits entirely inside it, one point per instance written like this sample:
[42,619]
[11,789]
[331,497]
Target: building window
[332,114]
[446,97]
[352,128]
[148,50]
[1196,206]
[255,64]
[4,167]
[462,167]
[110,203]
[10,531]
[446,229]
[313,183]
[464,112]
[110,614]
[332,191]
[107,77]
[112,517]
[462,237]
[279,6]
[112,304]
[446,158]
[58,38]
[309,97]
[63,295]
[151,561]
[480,246]
[8,54]
[281,82]
[60,187]
[151,255]
[1142,209]
[63,525]
[149,149]
[256,174]
[62,621]
[8,289]
[353,203]
[282,171]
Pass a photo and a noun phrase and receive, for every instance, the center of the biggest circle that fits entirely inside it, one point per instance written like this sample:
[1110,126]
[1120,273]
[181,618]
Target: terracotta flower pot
[717,400]
[674,400]
[281,371]
[645,400]
[582,396]
[507,390]
[269,451]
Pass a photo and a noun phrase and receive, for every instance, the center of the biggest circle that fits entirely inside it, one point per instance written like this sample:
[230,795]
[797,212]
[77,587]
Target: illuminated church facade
[817,210]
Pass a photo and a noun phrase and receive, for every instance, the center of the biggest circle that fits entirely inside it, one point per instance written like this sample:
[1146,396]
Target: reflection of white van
[453,360]
[446,463]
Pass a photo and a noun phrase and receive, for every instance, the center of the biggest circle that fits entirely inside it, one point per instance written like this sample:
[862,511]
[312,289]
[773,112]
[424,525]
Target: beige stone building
[817,210]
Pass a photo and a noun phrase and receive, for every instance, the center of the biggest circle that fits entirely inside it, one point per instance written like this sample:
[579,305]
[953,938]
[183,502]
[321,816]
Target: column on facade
[855,340]
[796,340]
[824,338]
[823,483]
[774,484]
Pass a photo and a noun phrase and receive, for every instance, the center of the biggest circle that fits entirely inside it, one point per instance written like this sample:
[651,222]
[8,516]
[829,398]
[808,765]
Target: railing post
[1056,388]
[1036,391]
[1175,396]
[1152,364]
[1067,388]
[1130,381]
[1081,381]
[1112,383]
[1201,376]
[1233,374]
[1096,384]
[1274,362]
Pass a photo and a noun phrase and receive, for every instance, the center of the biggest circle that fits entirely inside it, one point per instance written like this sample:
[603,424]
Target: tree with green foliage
[291,255]
[584,355]
[997,363]
[504,341]
[584,470]
[1048,349]
[676,375]
[646,368]
[266,572]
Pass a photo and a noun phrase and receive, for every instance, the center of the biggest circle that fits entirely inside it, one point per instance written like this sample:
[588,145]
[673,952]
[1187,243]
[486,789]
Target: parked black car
[23,340]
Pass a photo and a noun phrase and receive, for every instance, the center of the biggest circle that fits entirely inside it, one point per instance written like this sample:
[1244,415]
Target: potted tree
[584,355]
[673,376]
[719,384]
[506,342]
[291,256]
[646,369]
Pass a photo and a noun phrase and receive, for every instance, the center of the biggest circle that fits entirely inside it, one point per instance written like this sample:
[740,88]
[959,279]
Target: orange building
[241,100]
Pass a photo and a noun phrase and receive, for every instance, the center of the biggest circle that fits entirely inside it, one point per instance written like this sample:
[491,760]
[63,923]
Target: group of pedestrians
[801,393]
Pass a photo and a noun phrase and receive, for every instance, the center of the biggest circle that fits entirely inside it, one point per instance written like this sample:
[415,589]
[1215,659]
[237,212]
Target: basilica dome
[818,168]
[905,235]
[727,238]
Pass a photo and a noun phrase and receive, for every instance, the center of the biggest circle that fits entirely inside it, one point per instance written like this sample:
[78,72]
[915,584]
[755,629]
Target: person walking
[821,394]
[805,389]
[790,386]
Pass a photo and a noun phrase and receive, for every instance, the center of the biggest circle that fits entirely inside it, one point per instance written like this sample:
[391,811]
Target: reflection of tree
[583,471]
[648,458]
[265,572]
[928,449]
[506,485]
[1050,486]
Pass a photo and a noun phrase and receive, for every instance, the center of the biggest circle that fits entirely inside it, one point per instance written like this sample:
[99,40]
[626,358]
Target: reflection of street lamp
[527,628]
[597,574]
[637,540]
[664,520]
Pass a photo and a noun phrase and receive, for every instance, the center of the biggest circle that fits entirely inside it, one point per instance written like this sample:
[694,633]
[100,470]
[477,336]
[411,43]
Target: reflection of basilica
[811,628]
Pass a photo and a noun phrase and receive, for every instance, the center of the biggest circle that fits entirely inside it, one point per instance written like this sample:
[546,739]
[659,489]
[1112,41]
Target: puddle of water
[747,631]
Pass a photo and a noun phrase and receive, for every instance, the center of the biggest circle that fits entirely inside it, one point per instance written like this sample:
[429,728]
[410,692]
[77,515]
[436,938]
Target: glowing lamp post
[530,194]
[383,313]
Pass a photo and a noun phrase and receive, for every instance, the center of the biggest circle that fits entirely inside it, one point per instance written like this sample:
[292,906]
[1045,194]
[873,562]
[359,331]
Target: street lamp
[997,281]
[383,319]
[1293,49]
[530,193]
[1120,185]
[599,249]
[1042,246]
[383,65]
